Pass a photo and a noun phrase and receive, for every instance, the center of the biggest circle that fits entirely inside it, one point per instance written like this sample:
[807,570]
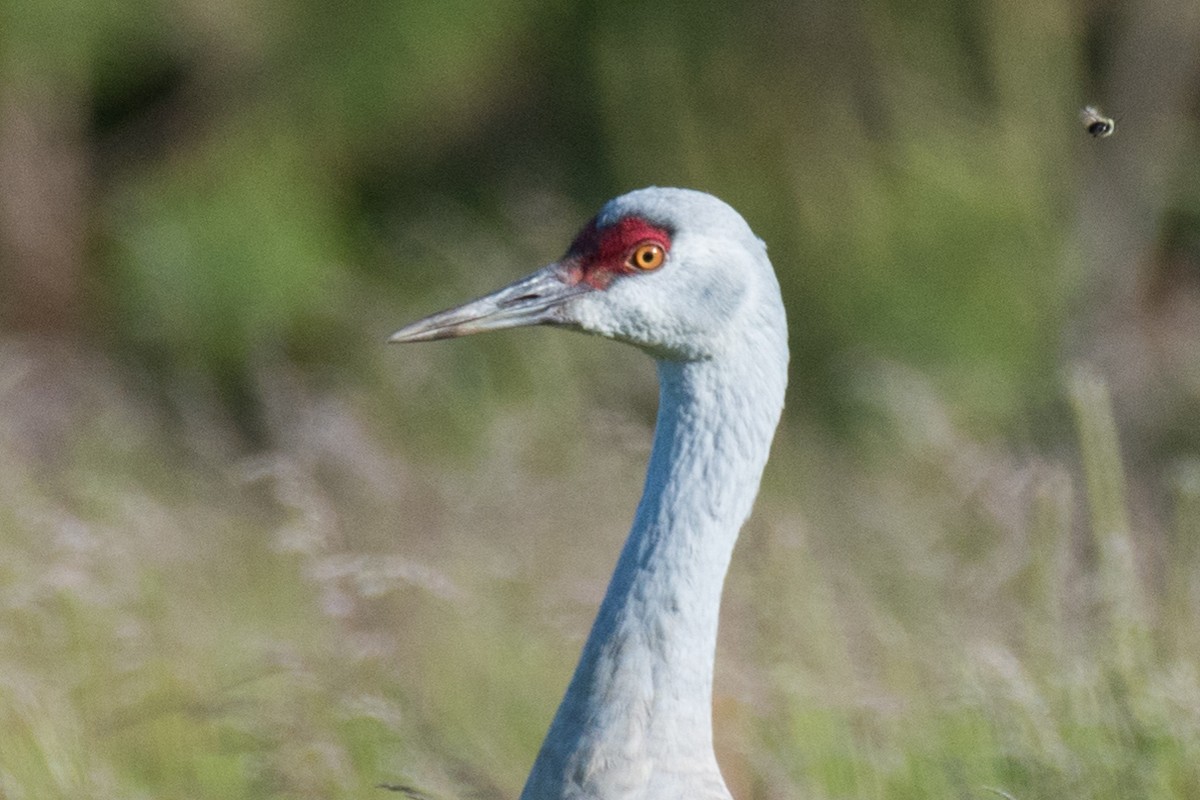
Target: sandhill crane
[679,274]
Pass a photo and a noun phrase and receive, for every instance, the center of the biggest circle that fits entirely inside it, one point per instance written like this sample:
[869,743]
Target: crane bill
[534,300]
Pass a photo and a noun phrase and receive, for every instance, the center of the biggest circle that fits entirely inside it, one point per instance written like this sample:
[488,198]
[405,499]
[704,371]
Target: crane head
[668,270]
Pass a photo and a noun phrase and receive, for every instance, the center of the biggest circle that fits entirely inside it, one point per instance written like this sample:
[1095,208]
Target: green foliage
[227,253]
[912,172]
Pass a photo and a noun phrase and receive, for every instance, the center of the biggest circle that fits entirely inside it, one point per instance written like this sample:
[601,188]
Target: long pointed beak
[534,300]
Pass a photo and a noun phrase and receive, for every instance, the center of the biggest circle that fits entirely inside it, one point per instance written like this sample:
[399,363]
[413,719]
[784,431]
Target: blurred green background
[249,550]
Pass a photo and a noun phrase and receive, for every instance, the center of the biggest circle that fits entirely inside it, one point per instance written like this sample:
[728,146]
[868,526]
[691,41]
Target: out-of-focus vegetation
[247,550]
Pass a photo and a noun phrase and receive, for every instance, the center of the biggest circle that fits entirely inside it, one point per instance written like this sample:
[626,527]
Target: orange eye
[648,256]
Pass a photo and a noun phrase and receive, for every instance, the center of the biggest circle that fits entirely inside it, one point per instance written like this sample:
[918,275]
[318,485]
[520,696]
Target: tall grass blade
[1118,584]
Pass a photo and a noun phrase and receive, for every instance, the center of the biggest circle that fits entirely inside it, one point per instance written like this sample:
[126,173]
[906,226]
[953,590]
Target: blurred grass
[914,617]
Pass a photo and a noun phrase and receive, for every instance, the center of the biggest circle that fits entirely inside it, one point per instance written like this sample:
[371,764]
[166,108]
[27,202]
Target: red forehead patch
[598,255]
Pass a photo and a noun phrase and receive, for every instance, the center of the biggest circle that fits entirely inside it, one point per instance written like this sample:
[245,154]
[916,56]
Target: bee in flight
[1096,123]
